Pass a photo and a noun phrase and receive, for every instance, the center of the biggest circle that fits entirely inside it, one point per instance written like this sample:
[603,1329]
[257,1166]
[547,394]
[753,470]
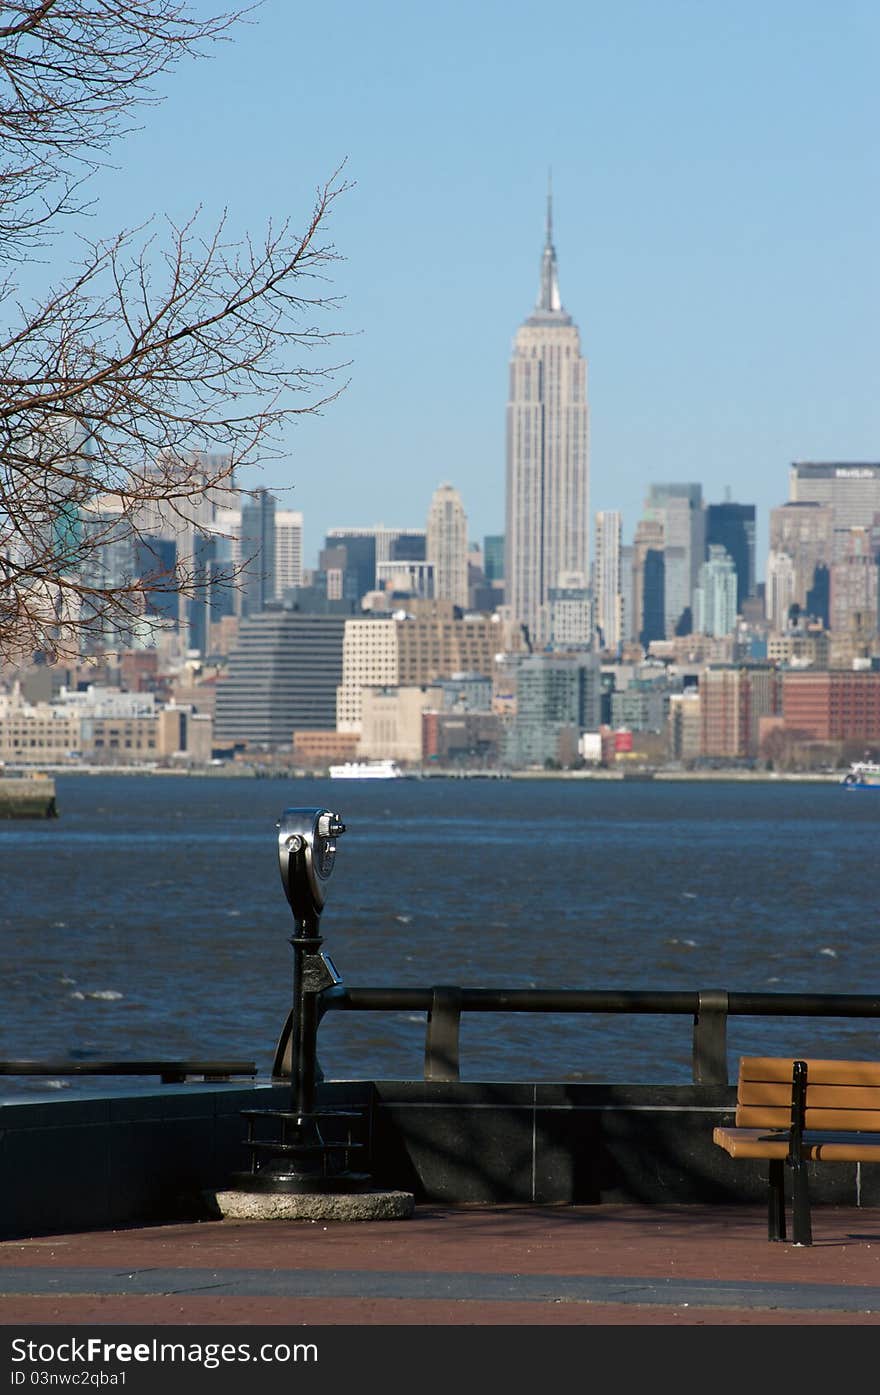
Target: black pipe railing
[709,1009]
[169,1072]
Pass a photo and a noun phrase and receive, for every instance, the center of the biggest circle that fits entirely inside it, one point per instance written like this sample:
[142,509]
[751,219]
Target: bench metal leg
[776,1200]
[802,1230]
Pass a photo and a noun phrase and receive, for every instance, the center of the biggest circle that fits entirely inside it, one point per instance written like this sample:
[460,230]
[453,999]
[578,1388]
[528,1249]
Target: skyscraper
[681,510]
[447,545]
[257,543]
[288,550]
[715,597]
[607,582]
[732,526]
[547,506]
[851,489]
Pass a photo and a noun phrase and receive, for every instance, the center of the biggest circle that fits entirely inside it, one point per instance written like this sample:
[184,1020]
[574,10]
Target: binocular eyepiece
[306,856]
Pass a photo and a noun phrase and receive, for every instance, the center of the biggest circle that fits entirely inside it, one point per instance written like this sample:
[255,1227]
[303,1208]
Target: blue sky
[715,173]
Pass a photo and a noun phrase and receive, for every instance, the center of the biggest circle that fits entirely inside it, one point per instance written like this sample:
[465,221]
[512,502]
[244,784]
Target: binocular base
[299,1158]
[313,1206]
[289,1183]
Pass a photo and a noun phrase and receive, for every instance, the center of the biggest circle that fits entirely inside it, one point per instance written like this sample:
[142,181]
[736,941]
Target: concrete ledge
[314,1206]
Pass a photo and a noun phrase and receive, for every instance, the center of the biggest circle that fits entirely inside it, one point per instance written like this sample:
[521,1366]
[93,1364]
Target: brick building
[733,699]
[835,705]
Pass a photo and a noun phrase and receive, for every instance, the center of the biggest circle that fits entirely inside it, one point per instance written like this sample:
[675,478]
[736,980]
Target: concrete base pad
[314,1206]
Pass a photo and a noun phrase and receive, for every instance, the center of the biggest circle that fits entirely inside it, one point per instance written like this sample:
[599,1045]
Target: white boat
[365,770]
[862,775]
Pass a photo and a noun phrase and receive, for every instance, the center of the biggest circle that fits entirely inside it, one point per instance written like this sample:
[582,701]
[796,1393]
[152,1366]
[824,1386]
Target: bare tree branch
[133,391]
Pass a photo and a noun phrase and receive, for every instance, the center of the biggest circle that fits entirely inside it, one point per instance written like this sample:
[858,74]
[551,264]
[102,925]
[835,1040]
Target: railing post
[710,1037]
[442,1035]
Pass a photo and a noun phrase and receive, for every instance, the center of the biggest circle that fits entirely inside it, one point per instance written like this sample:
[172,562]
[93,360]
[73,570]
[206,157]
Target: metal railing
[169,1072]
[710,1010]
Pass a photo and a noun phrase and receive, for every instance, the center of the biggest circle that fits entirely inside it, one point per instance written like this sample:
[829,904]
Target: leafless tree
[166,358]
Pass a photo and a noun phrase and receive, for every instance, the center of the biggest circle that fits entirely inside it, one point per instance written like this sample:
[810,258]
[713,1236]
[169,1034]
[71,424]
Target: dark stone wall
[151,1156]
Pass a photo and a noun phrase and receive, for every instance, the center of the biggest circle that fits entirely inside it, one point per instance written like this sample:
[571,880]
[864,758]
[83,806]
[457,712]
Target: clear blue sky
[715,173]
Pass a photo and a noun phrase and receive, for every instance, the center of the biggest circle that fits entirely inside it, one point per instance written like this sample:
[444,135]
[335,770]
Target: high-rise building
[648,581]
[558,698]
[283,675]
[355,559]
[732,526]
[854,579]
[493,556]
[780,591]
[680,508]
[803,532]
[447,546]
[715,597]
[547,503]
[392,544]
[288,550]
[607,587]
[851,490]
[257,544]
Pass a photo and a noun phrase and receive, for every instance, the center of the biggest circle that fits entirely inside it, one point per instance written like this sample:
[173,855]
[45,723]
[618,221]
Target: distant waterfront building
[411,647]
[684,733]
[733,699]
[283,675]
[447,546]
[558,698]
[547,486]
[642,705]
[837,705]
[732,526]
[607,580]
[465,692]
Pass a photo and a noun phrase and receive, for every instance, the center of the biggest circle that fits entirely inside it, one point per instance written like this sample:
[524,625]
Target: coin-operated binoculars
[303,1157]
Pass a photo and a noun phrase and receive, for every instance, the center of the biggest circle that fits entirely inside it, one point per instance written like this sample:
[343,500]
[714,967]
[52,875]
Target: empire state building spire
[548,474]
[548,295]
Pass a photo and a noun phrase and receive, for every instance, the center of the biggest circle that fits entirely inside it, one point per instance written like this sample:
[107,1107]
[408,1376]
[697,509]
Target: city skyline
[716,209]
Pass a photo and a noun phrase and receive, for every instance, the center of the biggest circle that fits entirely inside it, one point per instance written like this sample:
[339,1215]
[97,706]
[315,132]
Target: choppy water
[149,918]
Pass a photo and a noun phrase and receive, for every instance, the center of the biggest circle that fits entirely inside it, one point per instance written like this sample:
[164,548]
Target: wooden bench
[792,1112]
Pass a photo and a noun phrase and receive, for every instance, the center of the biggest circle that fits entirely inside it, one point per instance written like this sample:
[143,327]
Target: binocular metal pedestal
[303,1158]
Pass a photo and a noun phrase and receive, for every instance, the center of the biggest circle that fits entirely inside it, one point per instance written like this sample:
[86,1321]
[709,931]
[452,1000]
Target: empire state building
[547,510]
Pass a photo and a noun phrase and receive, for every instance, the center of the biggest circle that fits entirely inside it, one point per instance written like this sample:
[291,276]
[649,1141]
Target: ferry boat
[862,775]
[365,770]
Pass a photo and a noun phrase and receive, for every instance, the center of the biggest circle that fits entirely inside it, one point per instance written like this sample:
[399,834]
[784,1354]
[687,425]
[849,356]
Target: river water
[149,919]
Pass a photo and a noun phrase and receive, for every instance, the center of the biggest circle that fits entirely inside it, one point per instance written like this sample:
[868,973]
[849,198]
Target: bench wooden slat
[762,1092]
[765,1117]
[755,1143]
[819,1071]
